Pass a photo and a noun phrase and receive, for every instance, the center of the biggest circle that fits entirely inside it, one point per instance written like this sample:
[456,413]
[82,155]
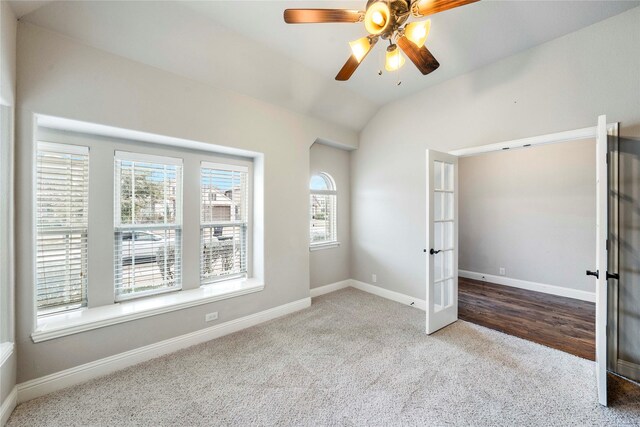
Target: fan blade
[348,69]
[429,7]
[352,63]
[310,16]
[421,57]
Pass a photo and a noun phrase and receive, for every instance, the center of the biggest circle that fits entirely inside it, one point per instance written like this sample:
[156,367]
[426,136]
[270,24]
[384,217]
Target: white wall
[60,77]
[182,38]
[8,25]
[560,85]
[530,211]
[331,265]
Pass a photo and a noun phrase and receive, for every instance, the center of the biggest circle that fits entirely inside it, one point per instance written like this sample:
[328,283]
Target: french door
[442,240]
[442,249]
[601,273]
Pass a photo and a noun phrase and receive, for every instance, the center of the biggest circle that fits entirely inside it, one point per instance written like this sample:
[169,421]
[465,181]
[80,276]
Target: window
[62,196]
[223,221]
[148,224]
[323,210]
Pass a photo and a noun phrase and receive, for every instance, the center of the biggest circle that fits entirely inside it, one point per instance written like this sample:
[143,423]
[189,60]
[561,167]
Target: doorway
[600,272]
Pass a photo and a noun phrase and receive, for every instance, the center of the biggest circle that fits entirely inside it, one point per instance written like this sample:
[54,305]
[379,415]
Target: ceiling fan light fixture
[377,18]
[417,32]
[360,48]
[394,60]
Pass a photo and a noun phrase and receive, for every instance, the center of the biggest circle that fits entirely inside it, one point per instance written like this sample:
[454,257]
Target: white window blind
[223,221]
[62,198]
[322,210]
[148,225]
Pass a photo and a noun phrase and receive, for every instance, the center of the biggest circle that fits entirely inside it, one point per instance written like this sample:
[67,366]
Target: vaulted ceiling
[245,46]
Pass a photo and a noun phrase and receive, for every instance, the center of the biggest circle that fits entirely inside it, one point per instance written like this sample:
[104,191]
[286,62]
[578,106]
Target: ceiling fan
[384,19]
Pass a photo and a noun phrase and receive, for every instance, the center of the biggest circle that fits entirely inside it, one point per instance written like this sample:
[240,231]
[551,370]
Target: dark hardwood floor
[562,323]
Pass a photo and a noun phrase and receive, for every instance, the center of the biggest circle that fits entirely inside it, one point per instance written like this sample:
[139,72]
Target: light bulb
[360,48]
[417,32]
[394,59]
[376,19]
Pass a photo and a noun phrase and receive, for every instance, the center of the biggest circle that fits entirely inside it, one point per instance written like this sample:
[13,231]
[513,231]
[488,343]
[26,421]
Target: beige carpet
[351,359]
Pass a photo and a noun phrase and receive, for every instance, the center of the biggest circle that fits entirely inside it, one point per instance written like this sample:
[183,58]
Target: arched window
[323,210]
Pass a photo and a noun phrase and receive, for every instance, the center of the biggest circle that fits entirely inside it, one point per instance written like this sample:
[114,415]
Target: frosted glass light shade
[394,59]
[417,32]
[360,47]
[377,18]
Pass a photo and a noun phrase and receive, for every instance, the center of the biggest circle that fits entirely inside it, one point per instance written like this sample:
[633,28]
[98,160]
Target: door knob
[594,273]
[433,252]
[613,276]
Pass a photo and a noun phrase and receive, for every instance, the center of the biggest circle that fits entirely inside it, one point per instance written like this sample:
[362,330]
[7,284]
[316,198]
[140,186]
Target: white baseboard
[628,369]
[392,295]
[79,374]
[332,287]
[8,406]
[531,286]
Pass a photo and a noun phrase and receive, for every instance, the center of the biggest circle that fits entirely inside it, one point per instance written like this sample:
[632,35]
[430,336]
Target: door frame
[612,130]
[551,138]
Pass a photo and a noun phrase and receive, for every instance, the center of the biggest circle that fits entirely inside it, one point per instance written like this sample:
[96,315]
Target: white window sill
[63,324]
[320,246]
[6,350]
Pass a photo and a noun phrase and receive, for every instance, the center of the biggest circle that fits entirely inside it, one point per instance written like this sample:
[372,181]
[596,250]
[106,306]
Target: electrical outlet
[503,271]
[210,317]
[374,278]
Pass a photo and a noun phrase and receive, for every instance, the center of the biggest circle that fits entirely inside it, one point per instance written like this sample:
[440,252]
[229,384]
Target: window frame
[118,227]
[71,149]
[332,191]
[102,310]
[232,167]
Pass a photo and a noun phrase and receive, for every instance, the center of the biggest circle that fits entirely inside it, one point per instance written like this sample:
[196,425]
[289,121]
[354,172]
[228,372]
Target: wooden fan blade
[310,16]
[347,69]
[352,63]
[421,57]
[429,7]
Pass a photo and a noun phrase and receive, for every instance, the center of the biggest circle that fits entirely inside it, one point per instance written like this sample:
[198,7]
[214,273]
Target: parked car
[141,244]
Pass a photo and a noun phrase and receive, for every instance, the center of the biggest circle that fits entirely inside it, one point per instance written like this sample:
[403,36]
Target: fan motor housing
[400,11]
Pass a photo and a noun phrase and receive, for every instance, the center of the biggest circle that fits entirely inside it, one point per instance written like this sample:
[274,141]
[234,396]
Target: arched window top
[322,182]
[323,211]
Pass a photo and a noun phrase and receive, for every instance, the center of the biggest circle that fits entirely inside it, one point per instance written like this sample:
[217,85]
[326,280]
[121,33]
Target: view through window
[223,221]
[62,198]
[148,224]
[323,209]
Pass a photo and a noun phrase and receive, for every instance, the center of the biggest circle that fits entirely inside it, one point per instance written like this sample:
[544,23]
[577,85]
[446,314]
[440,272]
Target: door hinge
[594,273]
